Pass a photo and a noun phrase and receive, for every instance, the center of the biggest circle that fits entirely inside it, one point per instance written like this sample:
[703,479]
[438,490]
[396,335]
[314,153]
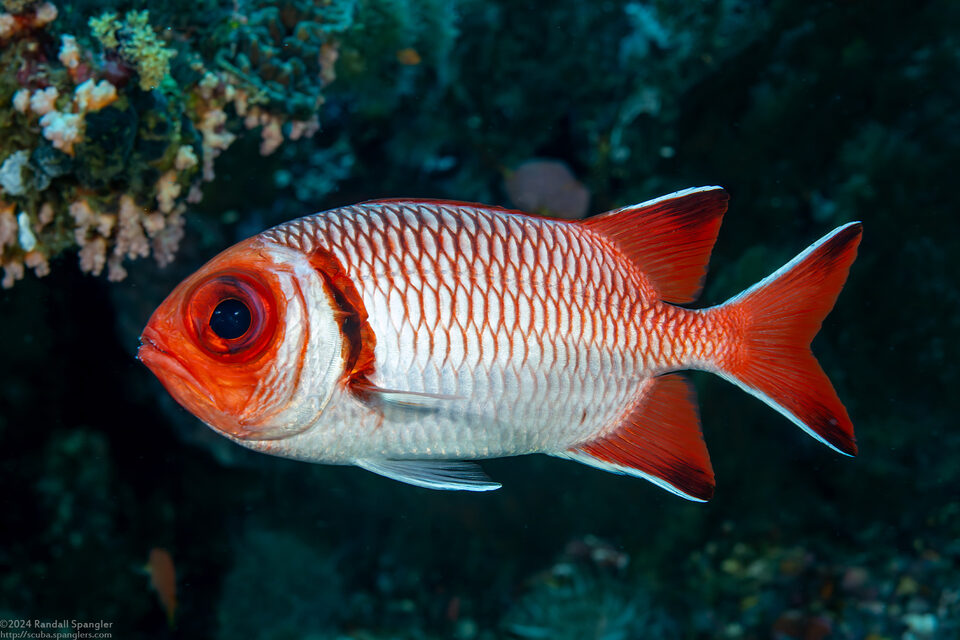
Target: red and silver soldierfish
[408,337]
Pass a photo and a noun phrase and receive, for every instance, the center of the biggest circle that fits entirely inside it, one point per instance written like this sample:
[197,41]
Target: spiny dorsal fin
[669,238]
[659,440]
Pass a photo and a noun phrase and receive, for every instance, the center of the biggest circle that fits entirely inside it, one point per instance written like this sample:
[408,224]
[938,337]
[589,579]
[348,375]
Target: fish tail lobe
[773,323]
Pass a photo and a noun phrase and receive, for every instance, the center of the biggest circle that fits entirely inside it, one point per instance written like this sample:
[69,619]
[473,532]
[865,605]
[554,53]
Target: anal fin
[659,440]
[449,475]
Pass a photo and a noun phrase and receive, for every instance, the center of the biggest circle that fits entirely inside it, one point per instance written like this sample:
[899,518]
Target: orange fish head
[232,343]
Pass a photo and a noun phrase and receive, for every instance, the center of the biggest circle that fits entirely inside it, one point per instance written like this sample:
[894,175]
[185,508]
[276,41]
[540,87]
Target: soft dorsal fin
[659,440]
[669,238]
[449,475]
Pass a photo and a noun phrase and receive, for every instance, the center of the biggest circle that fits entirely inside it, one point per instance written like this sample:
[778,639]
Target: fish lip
[178,380]
[146,342]
[159,360]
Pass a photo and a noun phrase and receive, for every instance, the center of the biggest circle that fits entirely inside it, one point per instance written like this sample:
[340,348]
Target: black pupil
[230,319]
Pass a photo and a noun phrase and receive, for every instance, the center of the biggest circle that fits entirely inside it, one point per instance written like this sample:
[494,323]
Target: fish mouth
[187,389]
[171,372]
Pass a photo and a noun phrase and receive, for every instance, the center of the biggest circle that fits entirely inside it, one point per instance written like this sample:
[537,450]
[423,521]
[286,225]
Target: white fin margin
[776,406]
[587,459]
[445,475]
[670,196]
[800,257]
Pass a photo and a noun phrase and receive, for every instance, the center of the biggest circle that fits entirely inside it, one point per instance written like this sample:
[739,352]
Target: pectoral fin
[449,475]
[407,399]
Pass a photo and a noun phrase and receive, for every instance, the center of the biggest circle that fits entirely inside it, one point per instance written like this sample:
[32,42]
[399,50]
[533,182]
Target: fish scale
[551,374]
[400,335]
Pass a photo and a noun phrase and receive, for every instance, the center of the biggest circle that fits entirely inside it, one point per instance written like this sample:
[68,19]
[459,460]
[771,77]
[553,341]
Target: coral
[11,173]
[45,14]
[168,189]
[21,100]
[69,54]
[104,28]
[313,176]
[25,235]
[8,25]
[93,96]
[186,159]
[9,226]
[135,41]
[216,138]
[25,16]
[140,46]
[115,148]
[128,111]
[44,100]
[278,52]
[62,129]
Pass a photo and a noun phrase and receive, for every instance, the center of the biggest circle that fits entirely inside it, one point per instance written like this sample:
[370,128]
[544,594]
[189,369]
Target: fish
[163,579]
[412,338]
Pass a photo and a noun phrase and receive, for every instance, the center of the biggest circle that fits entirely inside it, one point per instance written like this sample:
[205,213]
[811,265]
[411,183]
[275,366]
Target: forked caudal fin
[776,320]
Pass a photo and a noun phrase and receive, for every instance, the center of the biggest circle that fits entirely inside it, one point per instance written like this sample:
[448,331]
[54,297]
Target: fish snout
[149,341]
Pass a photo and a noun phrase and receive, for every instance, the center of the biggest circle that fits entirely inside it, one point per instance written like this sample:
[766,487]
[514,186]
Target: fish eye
[231,319]
[232,315]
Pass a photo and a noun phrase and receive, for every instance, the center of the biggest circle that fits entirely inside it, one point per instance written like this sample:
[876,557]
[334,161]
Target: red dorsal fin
[659,440]
[669,238]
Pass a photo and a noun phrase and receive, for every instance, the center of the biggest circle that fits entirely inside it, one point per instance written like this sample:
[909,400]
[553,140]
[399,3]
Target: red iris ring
[248,289]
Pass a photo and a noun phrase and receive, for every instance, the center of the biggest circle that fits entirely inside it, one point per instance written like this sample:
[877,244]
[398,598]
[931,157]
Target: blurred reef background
[132,130]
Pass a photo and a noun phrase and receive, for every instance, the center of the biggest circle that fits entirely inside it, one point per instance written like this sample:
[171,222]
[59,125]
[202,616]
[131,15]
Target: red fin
[659,440]
[778,318]
[669,238]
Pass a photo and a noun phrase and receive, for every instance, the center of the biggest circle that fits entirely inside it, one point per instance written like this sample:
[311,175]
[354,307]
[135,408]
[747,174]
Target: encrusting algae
[107,141]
